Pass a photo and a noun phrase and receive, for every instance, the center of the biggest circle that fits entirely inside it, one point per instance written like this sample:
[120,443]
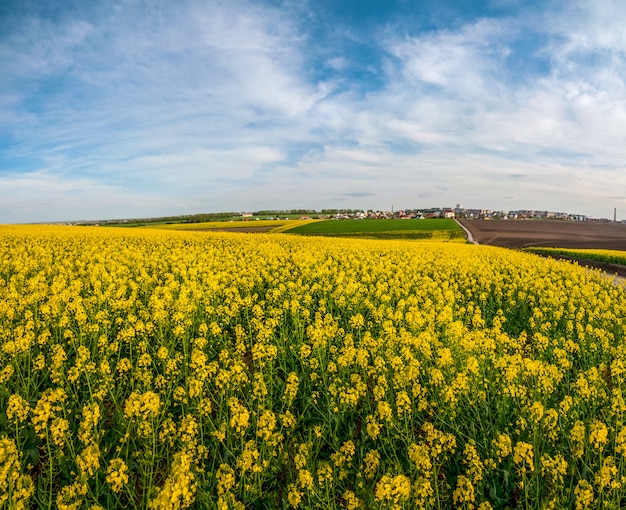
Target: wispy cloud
[126,109]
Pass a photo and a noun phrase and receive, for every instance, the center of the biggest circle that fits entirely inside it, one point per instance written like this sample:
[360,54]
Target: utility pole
[614,214]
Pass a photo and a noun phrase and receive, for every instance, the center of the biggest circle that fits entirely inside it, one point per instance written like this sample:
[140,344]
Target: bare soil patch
[548,233]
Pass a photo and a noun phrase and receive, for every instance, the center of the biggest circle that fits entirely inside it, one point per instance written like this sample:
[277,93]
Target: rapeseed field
[155,369]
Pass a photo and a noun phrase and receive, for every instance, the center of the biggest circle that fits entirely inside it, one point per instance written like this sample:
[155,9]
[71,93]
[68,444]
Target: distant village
[451,213]
[457,212]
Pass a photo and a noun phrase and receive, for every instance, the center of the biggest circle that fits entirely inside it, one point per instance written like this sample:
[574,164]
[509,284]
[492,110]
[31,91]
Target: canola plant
[153,369]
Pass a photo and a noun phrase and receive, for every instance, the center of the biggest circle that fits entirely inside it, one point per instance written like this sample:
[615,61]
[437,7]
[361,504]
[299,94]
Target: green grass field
[435,229]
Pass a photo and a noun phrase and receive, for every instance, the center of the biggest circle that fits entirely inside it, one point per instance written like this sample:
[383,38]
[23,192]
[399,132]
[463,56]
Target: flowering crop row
[152,369]
[610,256]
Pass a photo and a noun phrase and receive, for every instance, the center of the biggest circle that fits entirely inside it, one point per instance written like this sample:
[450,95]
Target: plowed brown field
[548,233]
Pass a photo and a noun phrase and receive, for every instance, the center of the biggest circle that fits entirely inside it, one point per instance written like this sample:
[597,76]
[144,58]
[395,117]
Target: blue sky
[134,108]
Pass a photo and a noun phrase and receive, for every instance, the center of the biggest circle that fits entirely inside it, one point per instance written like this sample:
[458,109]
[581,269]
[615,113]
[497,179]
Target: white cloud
[463,63]
[193,106]
[588,26]
[41,48]
[45,196]
[458,85]
[338,63]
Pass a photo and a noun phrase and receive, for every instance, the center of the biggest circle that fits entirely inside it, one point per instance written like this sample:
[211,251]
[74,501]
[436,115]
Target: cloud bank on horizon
[136,108]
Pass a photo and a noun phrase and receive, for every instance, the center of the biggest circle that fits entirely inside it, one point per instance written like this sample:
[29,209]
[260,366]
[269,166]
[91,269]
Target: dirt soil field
[548,233]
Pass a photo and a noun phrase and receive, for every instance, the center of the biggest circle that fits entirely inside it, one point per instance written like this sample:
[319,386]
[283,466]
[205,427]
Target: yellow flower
[58,431]
[39,362]
[584,494]
[371,463]
[566,404]
[142,405]
[357,321]
[300,458]
[350,501]
[179,489]
[523,456]
[188,430]
[393,489]
[15,488]
[550,423]
[17,408]
[372,427]
[324,473]
[397,337]
[403,403]
[124,366]
[88,460]
[464,492]
[91,417]
[537,411]
[247,461]
[266,425]
[384,411]
[180,395]
[598,434]
[220,434]
[294,496]
[117,474]
[419,455]
[503,445]
[6,374]
[474,464]
[225,479]
[439,442]
[606,477]
[195,387]
[444,358]
[423,491]
[554,468]
[305,479]
[167,434]
[48,405]
[71,496]
[577,439]
[345,454]
[292,388]
[288,420]
[239,415]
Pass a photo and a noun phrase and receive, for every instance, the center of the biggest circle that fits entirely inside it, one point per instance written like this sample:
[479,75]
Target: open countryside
[238,258]
[426,229]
